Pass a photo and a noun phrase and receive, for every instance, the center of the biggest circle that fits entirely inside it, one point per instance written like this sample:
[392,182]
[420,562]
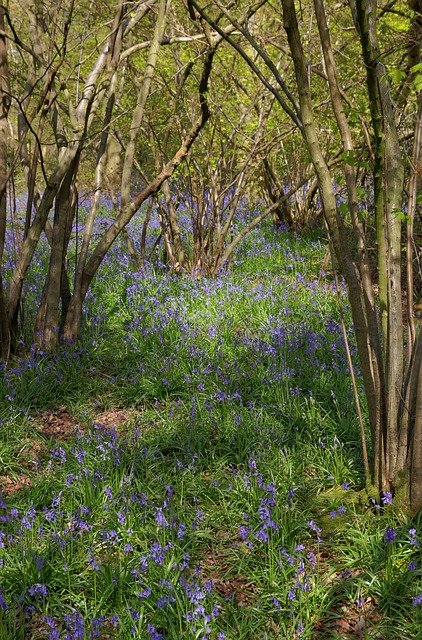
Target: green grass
[215,509]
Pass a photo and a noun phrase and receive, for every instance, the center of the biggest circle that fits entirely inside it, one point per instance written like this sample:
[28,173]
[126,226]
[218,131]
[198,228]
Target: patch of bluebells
[60,530]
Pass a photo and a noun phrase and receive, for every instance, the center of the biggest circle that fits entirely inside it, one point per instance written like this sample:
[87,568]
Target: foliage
[227,502]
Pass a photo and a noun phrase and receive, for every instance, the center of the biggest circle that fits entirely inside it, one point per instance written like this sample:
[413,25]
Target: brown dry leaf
[115,417]
[344,625]
[359,629]
[58,424]
[10,485]
[238,587]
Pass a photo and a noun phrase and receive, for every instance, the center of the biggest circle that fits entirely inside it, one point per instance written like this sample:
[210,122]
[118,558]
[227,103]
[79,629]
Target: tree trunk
[48,318]
[4,135]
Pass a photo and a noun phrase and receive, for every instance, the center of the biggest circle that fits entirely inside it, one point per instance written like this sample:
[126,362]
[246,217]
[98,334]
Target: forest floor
[192,467]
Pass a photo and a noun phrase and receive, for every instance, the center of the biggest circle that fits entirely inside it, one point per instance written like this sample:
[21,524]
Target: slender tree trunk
[415,466]
[48,318]
[389,187]
[371,371]
[414,184]
[4,136]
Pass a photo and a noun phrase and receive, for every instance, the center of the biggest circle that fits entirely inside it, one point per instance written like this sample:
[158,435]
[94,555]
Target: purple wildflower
[417,600]
[387,498]
[243,532]
[121,517]
[413,539]
[153,633]
[75,624]
[390,535]
[145,593]
[262,535]
[160,518]
[96,626]
[38,590]
[93,563]
[114,620]
[58,454]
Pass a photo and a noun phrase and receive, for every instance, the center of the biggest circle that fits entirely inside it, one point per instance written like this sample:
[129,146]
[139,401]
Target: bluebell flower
[160,518]
[58,454]
[114,620]
[262,535]
[162,602]
[75,624]
[390,535]
[38,590]
[413,539]
[96,626]
[243,532]
[145,593]
[70,479]
[143,564]
[121,517]
[417,600]
[93,563]
[153,633]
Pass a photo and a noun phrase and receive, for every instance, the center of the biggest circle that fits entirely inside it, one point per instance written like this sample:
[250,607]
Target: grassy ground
[192,468]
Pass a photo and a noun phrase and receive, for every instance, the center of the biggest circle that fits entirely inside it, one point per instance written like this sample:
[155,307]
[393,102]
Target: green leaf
[416,67]
[349,158]
[396,75]
[400,215]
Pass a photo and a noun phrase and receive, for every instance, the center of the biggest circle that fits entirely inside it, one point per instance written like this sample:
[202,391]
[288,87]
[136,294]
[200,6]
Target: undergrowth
[228,503]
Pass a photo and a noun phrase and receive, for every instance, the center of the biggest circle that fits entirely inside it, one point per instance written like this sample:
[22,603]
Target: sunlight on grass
[228,503]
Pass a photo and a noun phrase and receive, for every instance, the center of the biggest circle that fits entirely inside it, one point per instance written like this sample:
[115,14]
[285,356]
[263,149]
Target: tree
[64,99]
[4,133]
[390,353]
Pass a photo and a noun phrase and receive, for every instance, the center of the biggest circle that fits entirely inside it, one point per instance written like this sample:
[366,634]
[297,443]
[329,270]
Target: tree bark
[5,102]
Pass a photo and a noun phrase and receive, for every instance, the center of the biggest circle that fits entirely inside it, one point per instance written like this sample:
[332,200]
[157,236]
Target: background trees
[390,356]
